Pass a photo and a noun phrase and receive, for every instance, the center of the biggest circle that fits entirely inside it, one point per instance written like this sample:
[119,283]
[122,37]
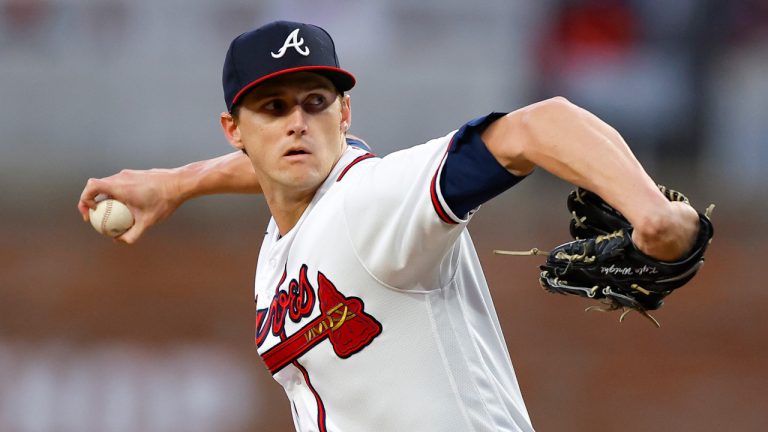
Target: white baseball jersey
[373,311]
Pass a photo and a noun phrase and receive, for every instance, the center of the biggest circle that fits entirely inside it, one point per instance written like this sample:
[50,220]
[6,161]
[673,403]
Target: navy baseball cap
[279,48]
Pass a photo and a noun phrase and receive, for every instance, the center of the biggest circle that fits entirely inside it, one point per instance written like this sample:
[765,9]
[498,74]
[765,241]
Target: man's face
[292,128]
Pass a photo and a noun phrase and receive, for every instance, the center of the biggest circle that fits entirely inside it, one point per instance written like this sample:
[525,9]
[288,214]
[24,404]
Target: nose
[297,122]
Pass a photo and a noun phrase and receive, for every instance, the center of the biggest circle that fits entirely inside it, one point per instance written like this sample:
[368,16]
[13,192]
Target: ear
[346,113]
[231,130]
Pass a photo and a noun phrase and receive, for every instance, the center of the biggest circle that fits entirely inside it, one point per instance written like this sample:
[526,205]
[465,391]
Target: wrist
[180,184]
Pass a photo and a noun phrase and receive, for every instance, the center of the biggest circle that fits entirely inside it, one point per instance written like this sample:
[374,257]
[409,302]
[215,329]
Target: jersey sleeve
[405,212]
[470,174]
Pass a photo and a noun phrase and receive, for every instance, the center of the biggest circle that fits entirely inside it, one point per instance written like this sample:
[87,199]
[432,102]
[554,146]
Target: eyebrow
[277,91]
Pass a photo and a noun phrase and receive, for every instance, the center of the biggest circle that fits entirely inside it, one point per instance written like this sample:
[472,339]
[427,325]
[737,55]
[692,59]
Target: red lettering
[296,302]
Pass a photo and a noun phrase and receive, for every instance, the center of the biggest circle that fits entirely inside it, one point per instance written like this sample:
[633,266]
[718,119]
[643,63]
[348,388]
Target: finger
[93,188]
[83,208]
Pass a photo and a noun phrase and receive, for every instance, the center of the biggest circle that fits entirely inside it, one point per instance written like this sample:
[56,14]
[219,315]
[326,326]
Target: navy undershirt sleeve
[471,175]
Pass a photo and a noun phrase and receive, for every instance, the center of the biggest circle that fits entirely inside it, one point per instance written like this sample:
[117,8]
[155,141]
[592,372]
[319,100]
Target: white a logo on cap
[292,41]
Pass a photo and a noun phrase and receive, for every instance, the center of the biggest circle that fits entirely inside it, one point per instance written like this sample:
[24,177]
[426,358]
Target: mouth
[296,152]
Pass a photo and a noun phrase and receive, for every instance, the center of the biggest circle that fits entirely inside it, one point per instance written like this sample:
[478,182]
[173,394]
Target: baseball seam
[105,218]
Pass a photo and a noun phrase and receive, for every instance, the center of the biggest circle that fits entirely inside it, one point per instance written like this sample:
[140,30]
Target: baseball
[111,217]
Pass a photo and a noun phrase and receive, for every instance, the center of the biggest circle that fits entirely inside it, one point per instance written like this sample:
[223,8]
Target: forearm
[575,145]
[230,173]
[153,195]
[578,147]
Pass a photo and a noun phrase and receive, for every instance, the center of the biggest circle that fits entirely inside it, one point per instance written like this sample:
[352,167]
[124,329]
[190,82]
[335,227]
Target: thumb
[133,234]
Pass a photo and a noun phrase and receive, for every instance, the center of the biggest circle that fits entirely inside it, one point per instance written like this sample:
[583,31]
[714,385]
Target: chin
[306,180]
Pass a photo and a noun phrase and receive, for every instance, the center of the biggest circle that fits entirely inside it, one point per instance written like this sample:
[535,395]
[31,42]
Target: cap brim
[340,78]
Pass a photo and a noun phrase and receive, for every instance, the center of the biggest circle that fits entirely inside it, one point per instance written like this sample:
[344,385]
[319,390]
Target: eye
[315,102]
[275,106]
[316,99]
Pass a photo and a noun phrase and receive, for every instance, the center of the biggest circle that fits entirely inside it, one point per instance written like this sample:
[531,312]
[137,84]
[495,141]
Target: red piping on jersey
[357,159]
[441,213]
[320,405]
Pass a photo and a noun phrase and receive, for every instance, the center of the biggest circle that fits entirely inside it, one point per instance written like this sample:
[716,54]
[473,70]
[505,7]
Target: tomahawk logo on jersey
[340,319]
[396,302]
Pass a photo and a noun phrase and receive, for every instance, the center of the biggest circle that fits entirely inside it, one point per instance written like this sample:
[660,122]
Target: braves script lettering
[297,302]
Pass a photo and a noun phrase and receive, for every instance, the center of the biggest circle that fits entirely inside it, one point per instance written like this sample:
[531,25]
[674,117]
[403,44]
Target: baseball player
[372,310]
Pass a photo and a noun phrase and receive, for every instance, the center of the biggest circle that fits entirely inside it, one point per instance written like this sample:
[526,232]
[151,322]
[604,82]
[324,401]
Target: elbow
[560,100]
[542,120]
[516,141]
[506,140]
[547,111]
[541,125]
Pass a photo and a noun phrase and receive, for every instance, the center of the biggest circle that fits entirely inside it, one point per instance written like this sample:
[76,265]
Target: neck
[288,203]
[287,208]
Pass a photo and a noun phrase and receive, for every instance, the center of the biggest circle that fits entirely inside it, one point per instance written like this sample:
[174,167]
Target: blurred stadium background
[98,336]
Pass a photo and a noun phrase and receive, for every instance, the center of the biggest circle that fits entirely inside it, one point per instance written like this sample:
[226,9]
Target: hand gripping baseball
[149,194]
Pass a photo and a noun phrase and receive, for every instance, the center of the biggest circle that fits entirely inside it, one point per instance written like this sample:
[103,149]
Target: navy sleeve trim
[470,174]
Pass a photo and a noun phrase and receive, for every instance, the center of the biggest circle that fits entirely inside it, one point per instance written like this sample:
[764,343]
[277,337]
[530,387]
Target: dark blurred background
[158,336]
